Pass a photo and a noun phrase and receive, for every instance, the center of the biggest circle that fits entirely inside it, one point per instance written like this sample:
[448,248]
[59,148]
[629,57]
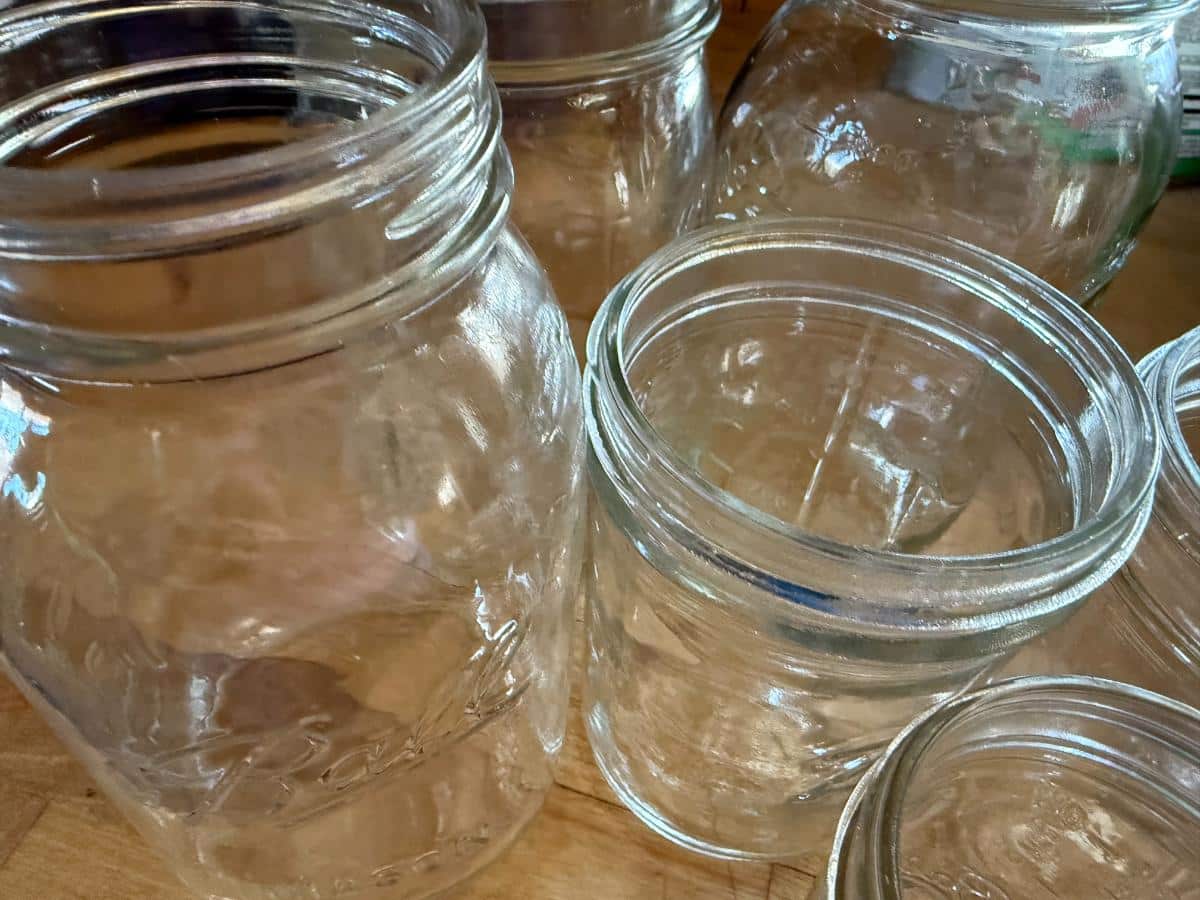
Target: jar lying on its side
[293,458]
[609,122]
[1143,627]
[840,468]
[1042,130]
[1035,789]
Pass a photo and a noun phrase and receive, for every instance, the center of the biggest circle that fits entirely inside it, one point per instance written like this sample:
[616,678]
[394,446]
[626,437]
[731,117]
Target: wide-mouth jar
[292,464]
[1035,788]
[608,118]
[839,469]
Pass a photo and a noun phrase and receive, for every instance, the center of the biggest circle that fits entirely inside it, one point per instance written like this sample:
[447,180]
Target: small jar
[1032,790]
[839,469]
[293,451]
[1143,627]
[1044,130]
[609,122]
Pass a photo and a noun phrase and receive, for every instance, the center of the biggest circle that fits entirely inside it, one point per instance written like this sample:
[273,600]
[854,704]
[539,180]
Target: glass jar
[292,458]
[840,468]
[1043,130]
[608,118]
[1035,789]
[1143,627]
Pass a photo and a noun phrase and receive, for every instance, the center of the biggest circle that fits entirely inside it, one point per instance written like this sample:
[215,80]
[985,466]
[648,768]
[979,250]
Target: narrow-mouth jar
[1143,627]
[1034,789]
[608,117]
[292,469]
[840,468]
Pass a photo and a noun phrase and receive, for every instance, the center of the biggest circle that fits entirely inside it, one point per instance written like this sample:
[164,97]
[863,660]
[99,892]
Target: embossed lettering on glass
[1036,789]
[290,438]
[840,468]
[608,118]
[1042,130]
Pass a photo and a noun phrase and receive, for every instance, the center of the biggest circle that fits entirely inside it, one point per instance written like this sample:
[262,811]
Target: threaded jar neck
[1005,333]
[1128,742]
[352,147]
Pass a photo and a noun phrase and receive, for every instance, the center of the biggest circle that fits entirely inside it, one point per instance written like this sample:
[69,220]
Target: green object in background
[1187,35]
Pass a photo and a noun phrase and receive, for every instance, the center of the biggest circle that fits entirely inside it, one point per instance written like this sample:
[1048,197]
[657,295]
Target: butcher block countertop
[61,840]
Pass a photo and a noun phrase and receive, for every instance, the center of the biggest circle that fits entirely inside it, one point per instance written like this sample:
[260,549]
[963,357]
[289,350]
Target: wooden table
[61,840]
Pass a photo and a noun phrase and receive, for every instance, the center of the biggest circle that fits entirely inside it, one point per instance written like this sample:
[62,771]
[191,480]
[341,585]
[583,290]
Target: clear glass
[1042,130]
[293,452]
[1144,626]
[839,469]
[1036,789]
[608,118]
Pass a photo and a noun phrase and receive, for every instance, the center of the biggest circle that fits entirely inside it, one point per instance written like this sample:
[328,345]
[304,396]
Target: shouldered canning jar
[292,446]
[840,469]
[609,122]
[1143,627]
[1035,789]
[1042,130]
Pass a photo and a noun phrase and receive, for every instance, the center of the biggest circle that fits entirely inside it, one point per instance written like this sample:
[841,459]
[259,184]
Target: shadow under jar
[1036,789]
[608,118]
[1043,130]
[292,457]
[1143,627]
[840,469]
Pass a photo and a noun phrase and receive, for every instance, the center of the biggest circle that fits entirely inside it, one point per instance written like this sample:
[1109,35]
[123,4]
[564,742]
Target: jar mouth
[682,28]
[1172,375]
[848,584]
[1147,740]
[1084,13]
[393,102]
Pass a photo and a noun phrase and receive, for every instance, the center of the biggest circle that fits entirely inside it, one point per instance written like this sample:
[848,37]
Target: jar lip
[1084,13]
[349,146]
[1163,371]
[614,64]
[1114,526]
[876,803]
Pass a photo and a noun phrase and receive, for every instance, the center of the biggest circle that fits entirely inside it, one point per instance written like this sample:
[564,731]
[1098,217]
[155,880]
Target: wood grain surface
[61,840]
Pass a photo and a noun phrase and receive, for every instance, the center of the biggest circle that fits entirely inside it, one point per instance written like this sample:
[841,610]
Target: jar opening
[542,42]
[1172,374]
[880,425]
[1092,777]
[1056,13]
[184,177]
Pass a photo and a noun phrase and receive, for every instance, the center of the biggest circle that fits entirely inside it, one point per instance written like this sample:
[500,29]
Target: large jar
[1043,130]
[292,448]
[608,118]
[1036,789]
[1143,627]
[840,468]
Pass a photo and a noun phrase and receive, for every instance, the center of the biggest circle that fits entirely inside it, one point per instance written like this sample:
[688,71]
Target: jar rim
[1085,556]
[877,801]
[1164,371]
[1083,13]
[612,64]
[338,167]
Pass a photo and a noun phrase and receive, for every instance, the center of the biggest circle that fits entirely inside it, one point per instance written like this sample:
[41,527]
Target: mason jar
[292,445]
[1044,130]
[840,468]
[1143,627]
[1035,789]
[608,118]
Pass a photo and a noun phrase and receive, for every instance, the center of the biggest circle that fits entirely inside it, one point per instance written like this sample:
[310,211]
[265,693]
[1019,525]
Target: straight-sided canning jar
[292,446]
[1042,130]
[840,468]
[608,118]
[1036,789]
[1143,627]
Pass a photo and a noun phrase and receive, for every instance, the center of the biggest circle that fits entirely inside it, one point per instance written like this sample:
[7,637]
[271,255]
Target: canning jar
[292,451]
[1031,790]
[609,122]
[840,468]
[1043,130]
[1143,627]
